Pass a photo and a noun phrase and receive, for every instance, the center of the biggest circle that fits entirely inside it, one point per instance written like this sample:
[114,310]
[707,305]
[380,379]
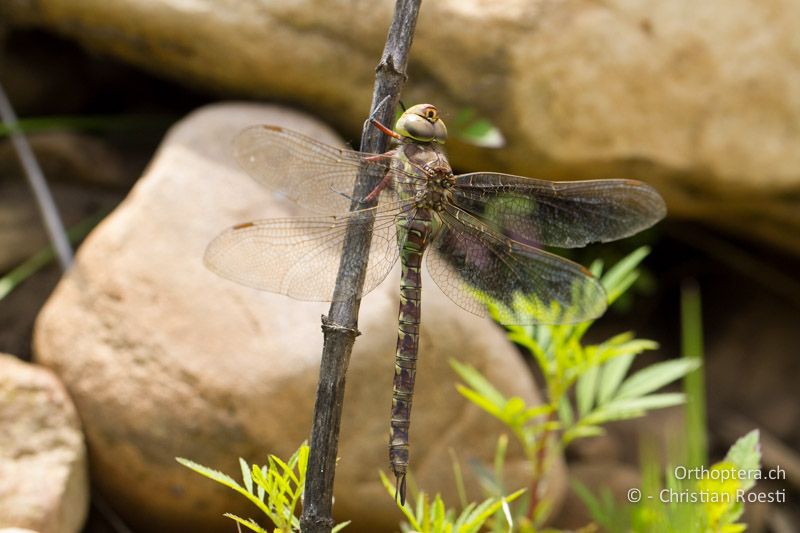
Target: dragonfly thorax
[432,175]
[438,192]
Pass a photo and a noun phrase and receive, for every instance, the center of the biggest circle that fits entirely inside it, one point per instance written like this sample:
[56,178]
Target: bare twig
[340,326]
[47,207]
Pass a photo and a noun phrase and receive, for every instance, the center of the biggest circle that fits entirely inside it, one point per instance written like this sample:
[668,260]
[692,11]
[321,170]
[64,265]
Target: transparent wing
[471,263]
[299,257]
[565,214]
[315,175]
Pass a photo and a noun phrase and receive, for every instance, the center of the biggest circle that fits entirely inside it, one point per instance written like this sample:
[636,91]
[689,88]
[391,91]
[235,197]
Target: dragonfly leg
[342,194]
[384,129]
[375,122]
[382,185]
[376,110]
[377,157]
[387,179]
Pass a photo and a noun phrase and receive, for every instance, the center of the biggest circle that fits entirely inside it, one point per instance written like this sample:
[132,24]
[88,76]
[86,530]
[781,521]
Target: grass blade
[694,382]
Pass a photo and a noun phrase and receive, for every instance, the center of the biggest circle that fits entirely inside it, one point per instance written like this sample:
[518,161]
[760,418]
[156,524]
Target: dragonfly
[482,235]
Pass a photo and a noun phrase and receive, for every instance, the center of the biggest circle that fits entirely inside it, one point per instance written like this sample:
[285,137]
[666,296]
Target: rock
[70,157]
[697,99]
[43,472]
[40,71]
[166,359]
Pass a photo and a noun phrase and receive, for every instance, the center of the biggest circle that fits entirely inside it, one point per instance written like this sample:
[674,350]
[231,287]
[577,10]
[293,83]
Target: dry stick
[47,207]
[340,326]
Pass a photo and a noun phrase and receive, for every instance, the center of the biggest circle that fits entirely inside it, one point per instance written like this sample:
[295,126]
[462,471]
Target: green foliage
[598,374]
[434,517]
[275,488]
[469,127]
[707,500]
[704,500]
[694,383]
[721,514]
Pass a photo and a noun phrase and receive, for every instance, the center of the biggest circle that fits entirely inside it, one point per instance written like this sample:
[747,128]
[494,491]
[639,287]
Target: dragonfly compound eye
[422,123]
[415,127]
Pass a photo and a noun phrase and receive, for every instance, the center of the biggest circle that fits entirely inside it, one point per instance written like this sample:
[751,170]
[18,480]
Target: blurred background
[701,101]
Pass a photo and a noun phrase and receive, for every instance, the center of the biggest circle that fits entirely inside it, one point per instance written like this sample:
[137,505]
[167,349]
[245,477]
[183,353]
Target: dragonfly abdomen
[415,235]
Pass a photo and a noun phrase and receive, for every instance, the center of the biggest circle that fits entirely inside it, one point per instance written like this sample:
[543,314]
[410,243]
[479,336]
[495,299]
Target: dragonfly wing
[565,214]
[300,257]
[315,175]
[470,263]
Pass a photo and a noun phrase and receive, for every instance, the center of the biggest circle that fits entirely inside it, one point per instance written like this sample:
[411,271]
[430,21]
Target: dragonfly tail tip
[400,488]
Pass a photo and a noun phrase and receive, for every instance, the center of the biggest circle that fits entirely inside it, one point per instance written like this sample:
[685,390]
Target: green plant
[434,517]
[709,501]
[471,128]
[595,372]
[694,384]
[663,508]
[275,488]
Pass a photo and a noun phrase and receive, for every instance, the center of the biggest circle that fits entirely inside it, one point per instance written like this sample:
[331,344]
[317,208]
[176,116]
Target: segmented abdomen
[415,235]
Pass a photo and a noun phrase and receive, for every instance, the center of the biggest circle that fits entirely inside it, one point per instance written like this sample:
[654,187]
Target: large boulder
[699,98]
[44,481]
[165,359]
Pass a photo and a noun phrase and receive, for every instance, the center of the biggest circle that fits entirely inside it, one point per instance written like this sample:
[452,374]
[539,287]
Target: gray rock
[697,98]
[43,472]
[166,359]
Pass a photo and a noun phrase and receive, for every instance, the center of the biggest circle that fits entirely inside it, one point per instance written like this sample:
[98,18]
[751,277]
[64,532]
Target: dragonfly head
[422,123]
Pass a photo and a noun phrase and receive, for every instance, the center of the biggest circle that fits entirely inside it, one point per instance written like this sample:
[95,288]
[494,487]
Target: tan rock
[166,359]
[700,99]
[70,157]
[43,472]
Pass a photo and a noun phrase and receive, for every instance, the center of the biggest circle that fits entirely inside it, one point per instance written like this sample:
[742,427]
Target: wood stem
[340,326]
